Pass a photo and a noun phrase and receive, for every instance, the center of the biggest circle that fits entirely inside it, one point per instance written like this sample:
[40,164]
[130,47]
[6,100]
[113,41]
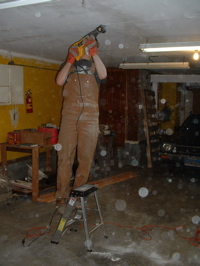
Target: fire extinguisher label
[29,108]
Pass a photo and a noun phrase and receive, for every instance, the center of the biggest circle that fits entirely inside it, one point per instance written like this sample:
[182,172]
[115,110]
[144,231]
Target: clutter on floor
[151,219]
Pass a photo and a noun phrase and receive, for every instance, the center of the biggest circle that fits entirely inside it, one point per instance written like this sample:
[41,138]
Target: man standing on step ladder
[79,127]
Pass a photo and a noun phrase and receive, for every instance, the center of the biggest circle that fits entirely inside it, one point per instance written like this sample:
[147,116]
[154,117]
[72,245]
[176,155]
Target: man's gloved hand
[72,54]
[93,51]
[91,46]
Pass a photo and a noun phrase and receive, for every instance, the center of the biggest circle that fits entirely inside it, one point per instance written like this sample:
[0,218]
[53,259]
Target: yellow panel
[168,92]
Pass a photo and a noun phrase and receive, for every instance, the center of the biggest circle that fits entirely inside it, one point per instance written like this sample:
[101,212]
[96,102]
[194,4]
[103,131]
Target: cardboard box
[41,138]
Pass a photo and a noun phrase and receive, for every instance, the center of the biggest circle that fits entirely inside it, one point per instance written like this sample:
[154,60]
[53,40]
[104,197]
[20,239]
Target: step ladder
[81,192]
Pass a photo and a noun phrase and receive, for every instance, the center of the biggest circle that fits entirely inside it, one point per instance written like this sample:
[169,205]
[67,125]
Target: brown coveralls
[79,129]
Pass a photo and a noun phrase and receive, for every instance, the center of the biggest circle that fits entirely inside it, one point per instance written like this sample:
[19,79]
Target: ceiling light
[16,3]
[163,65]
[169,47]
[196,56]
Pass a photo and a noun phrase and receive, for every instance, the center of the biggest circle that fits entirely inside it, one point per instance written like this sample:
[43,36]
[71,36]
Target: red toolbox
[53,131]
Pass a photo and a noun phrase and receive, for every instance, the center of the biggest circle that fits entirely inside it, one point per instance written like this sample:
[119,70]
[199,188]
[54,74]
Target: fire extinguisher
[29,102]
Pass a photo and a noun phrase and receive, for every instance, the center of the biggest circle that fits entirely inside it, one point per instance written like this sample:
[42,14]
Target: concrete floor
[158,197]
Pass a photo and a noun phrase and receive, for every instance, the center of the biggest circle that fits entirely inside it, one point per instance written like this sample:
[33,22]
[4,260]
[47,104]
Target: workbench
[35,151]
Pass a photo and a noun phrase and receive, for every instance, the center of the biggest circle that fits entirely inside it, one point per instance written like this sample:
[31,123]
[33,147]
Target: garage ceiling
[47,30]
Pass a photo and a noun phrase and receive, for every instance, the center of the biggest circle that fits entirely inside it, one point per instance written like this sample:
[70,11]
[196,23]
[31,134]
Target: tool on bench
[65,221]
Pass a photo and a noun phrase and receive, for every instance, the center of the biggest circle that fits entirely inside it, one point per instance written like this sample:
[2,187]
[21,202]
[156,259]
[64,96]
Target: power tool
[80,45]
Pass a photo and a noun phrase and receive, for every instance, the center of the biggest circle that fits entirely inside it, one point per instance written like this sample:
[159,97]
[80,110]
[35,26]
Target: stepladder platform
[84,190]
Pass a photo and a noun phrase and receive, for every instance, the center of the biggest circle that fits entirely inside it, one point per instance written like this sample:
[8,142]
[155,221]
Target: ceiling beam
[175,78]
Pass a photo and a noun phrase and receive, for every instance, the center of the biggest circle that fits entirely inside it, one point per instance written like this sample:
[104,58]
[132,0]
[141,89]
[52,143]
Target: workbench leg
[35,173]
[48,159]
[4,158]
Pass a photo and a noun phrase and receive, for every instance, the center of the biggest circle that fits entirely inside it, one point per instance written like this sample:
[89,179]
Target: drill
[80,44]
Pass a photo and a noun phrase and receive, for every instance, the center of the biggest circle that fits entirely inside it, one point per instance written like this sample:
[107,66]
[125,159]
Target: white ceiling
[47,30]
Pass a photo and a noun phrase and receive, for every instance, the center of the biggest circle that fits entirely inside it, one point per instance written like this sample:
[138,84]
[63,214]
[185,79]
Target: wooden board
[50,197]
[113,179]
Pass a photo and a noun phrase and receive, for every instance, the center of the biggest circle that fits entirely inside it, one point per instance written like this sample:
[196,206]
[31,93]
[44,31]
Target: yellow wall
[47,99]
[168,91]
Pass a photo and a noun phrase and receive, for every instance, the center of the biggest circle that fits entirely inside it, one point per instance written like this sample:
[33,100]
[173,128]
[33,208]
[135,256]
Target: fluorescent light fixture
[163,65]
[169,47]
[16,3]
